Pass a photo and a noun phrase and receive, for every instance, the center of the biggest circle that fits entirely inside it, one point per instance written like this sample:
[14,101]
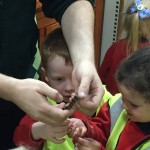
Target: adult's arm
[30,95]
[77,21]
[78,27]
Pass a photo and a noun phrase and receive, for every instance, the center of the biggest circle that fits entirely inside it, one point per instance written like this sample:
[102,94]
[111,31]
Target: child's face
[59,76]
[135,105]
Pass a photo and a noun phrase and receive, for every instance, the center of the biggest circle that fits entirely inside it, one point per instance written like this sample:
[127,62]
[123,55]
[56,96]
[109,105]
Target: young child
[57,68]
[135,34]
[123,122]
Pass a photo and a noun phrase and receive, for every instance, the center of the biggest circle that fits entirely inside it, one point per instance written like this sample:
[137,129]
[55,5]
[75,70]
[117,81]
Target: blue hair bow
[143,14]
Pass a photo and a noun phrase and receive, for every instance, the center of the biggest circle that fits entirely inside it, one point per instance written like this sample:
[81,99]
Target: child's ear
[44,75]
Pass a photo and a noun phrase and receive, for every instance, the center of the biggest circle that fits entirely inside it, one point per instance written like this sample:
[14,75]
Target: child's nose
[69,87]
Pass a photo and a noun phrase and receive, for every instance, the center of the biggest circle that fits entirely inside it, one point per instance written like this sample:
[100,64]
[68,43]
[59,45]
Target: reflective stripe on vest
[107,96]
[119,118]
[116,130]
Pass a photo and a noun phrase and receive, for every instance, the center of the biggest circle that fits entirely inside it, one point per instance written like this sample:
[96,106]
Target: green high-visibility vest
[119,118]
[67,145]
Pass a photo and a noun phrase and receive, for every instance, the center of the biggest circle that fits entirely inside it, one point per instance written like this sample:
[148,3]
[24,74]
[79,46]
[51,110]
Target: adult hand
[89,87]
[31,96]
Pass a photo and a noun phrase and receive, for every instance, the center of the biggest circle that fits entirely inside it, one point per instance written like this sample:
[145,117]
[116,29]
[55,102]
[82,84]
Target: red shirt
[114,55]
[133,133]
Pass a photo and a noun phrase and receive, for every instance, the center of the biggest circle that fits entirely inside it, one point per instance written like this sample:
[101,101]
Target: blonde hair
[134,29]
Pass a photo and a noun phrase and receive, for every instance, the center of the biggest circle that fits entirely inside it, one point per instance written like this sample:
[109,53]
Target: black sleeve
[56,8]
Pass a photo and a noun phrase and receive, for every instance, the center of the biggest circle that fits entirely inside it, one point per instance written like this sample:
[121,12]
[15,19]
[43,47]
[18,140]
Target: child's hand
[49,132]
[87,144]
[76,128]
